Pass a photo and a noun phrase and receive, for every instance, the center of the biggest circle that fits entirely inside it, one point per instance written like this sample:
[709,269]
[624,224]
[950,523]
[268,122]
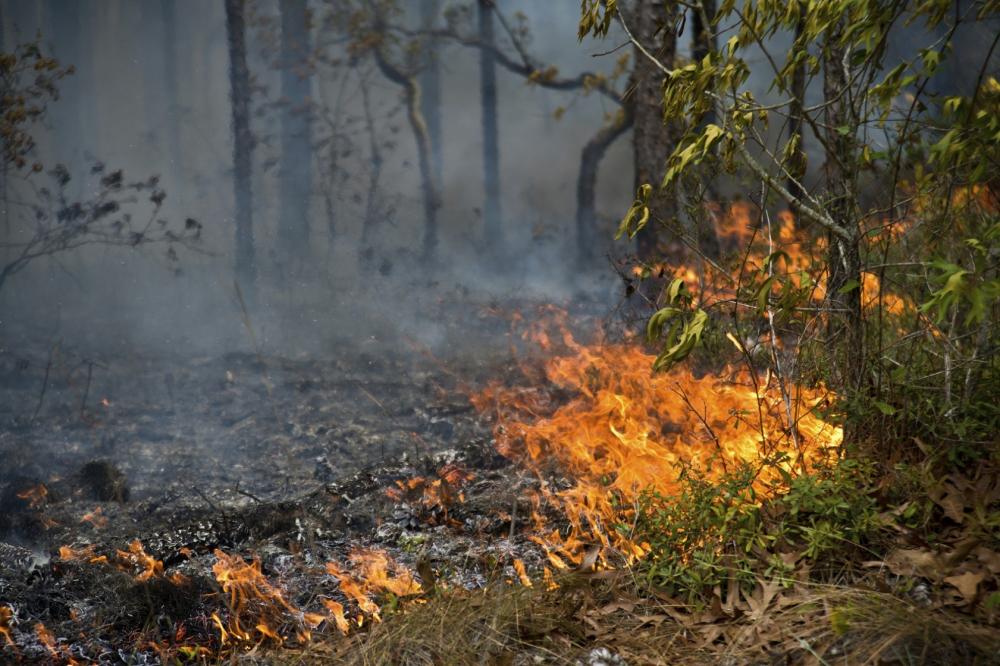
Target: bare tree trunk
[296,132]
[375,174]
[168,12]
[491,146]
[586,183]
[432,201]
[653,139]
[239,95]
[844,260]
[703,42]
[430,85]
[797,161]
[72,115]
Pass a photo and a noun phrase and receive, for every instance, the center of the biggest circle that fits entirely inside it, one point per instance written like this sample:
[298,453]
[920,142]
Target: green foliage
[716,533]
[678,326]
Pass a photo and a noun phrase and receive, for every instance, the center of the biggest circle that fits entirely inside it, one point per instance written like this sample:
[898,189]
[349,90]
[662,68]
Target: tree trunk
[168,12]
[703,42]
[844,260]
[296,142]
[428,184]
[797,161]
[586,183]
[72,115]
[493,230]
[652,24]
[239,95]
[430,85]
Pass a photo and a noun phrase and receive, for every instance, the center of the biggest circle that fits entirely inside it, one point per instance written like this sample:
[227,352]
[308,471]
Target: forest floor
[262,509]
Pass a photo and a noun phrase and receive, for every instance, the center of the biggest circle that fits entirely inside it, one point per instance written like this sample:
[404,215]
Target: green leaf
[885,408]
[849,286]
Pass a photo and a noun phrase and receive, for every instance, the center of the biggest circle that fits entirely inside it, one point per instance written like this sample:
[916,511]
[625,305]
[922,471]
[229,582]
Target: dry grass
[821,625]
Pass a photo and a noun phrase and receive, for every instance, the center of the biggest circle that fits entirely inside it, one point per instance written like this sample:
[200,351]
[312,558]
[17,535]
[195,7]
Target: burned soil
[128,483]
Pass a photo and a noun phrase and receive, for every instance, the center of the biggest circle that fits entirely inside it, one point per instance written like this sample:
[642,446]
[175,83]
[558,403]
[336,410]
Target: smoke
[117,109]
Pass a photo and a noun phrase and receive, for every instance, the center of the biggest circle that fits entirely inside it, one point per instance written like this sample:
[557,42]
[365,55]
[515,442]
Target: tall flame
[625,429]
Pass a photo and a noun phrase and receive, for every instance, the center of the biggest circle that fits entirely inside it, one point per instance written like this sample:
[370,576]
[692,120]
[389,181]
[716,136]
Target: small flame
[6,617]
[252,601]
[522,574]
[376,572]
[137,558]
[58,653]
[439,493]
[96,518]
[36,496]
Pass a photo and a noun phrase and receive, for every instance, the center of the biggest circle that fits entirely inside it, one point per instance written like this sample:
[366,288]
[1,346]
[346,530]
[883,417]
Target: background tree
[296,138]
[492,214]
[239,93]
[47,219]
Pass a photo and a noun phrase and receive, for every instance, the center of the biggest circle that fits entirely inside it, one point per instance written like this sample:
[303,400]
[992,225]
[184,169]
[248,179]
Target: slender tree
[296,141]
[545,76]
[797,157]
[652,139]
[239,94]
[703,42]
[491,146]
[407,80]
[168,14]
[843,286]
[586,182]
[430,84]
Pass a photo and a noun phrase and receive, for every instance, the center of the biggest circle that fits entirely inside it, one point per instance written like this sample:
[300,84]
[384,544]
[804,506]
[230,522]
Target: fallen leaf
[989,557]
[967,584]
[914,562]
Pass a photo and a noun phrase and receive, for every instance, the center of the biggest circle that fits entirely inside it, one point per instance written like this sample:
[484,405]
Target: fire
[137,558]
[439,493]
[522,574]
[257,609]
[626,429]
[373,572]
[95,518]
[6,617]
[88,553]
[36,496]
[58,653]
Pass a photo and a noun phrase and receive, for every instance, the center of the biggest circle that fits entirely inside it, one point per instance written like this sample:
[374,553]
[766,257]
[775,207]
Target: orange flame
[626,430]
[251,599]
[137,558]
[95,518]
[58,653]
[376,572]
[440,493]
[6,616]
[36,496]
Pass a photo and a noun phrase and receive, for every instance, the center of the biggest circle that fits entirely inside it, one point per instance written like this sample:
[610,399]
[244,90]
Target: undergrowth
[717,532]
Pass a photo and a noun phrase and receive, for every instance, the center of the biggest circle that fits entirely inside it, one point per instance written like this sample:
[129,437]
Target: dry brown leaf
[952,500]
[967,584]
[761,598]
[655,620]
[915,562]
[626,606]
[989,558]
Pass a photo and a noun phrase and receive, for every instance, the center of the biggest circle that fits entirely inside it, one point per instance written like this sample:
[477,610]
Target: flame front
[625,430]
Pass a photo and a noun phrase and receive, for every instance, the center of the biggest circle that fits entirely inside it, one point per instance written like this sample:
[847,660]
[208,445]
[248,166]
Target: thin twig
[45,381]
